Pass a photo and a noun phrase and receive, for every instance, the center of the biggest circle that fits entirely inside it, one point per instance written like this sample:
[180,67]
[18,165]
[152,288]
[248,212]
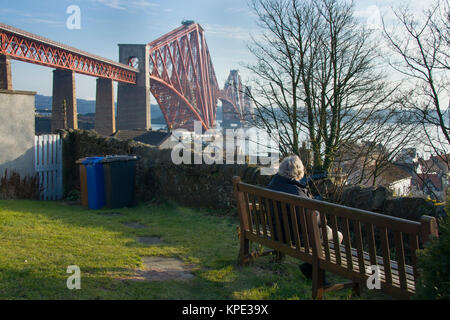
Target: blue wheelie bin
[95,182]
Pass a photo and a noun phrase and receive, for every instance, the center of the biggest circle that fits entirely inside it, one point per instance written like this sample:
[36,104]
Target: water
[156,127]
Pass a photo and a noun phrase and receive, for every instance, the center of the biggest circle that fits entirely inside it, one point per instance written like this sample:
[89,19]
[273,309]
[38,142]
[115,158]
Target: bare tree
[420,44]
[389,134]
[318,76]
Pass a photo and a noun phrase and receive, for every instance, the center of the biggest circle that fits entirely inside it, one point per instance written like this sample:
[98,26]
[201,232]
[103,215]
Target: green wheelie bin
[120,176]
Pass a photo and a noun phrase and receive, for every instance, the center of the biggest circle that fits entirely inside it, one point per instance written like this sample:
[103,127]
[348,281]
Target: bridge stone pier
[64,89]
[105,115]
[133,101]
[5,73]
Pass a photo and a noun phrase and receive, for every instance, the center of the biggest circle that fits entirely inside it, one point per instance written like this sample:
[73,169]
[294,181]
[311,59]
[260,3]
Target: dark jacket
[286,185]
[283,184]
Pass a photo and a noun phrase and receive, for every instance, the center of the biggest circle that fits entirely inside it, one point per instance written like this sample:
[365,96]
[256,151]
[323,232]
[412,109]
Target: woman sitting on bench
[290,172]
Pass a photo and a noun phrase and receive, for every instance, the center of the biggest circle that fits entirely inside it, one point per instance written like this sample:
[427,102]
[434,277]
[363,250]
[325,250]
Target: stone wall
[158,179]
[381,200]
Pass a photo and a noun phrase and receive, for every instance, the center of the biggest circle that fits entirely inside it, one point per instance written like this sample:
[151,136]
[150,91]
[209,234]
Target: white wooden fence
[48,165]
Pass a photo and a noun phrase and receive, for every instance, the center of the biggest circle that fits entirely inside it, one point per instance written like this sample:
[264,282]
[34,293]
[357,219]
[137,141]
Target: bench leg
[244,251]
[317,282]
[279,256]
[356,289]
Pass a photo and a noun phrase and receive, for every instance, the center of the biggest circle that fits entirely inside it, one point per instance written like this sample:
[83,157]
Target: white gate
[48,165]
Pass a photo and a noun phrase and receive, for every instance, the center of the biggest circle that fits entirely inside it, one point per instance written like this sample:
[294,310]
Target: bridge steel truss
[28,47]
[182,78]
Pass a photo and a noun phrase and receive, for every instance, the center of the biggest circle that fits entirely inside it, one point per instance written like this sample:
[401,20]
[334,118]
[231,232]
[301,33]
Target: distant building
[397,179]
[401,188]
[407,156]
[430,185]
[432,178]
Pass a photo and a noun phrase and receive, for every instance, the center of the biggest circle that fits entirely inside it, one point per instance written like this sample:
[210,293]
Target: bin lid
[80,161]
[118,158]
[92,160]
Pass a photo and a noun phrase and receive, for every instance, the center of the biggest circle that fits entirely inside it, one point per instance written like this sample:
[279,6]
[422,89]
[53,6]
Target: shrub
[12,186]
[434,266]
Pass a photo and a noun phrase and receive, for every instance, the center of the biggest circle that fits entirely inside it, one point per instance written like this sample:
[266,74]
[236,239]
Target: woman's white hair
[292,167]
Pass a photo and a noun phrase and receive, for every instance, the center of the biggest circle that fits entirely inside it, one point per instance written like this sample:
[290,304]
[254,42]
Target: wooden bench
[369,239]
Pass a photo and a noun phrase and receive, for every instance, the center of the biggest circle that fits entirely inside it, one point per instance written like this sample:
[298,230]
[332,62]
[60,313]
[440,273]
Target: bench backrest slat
[248,214]
[254,214]
[305,235]
[264,223]
[371,243]
[277,221]
[286,223]
[414,246]
[400,257]
[386,254]
[294,214]
[323,227]
[269,215]
[359,247]
[347,243]
[334,227]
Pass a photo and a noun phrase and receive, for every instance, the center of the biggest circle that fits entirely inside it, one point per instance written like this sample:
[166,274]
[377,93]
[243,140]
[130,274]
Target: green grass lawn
[39,240]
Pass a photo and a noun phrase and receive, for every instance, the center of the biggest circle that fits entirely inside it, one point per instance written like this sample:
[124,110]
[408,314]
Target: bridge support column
[5,73]
[105,116]
[133,101]
[64,90]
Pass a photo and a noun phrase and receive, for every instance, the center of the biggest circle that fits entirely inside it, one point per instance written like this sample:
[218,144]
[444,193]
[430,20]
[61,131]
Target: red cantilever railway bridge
[182,76]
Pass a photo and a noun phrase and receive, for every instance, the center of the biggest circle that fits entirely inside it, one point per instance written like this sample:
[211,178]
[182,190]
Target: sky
[228,26]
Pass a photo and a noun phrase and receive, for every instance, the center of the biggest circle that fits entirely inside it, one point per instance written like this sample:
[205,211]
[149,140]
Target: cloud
[45,21]
[371,16]
[228,32]
[115,4]
[243,11]
[126,5]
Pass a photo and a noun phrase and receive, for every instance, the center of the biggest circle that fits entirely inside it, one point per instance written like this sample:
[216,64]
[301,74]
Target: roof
[392,174]
[153,138]
[433,178]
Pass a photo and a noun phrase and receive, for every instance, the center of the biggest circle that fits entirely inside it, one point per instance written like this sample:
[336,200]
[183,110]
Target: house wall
[17,125]
[401,188]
